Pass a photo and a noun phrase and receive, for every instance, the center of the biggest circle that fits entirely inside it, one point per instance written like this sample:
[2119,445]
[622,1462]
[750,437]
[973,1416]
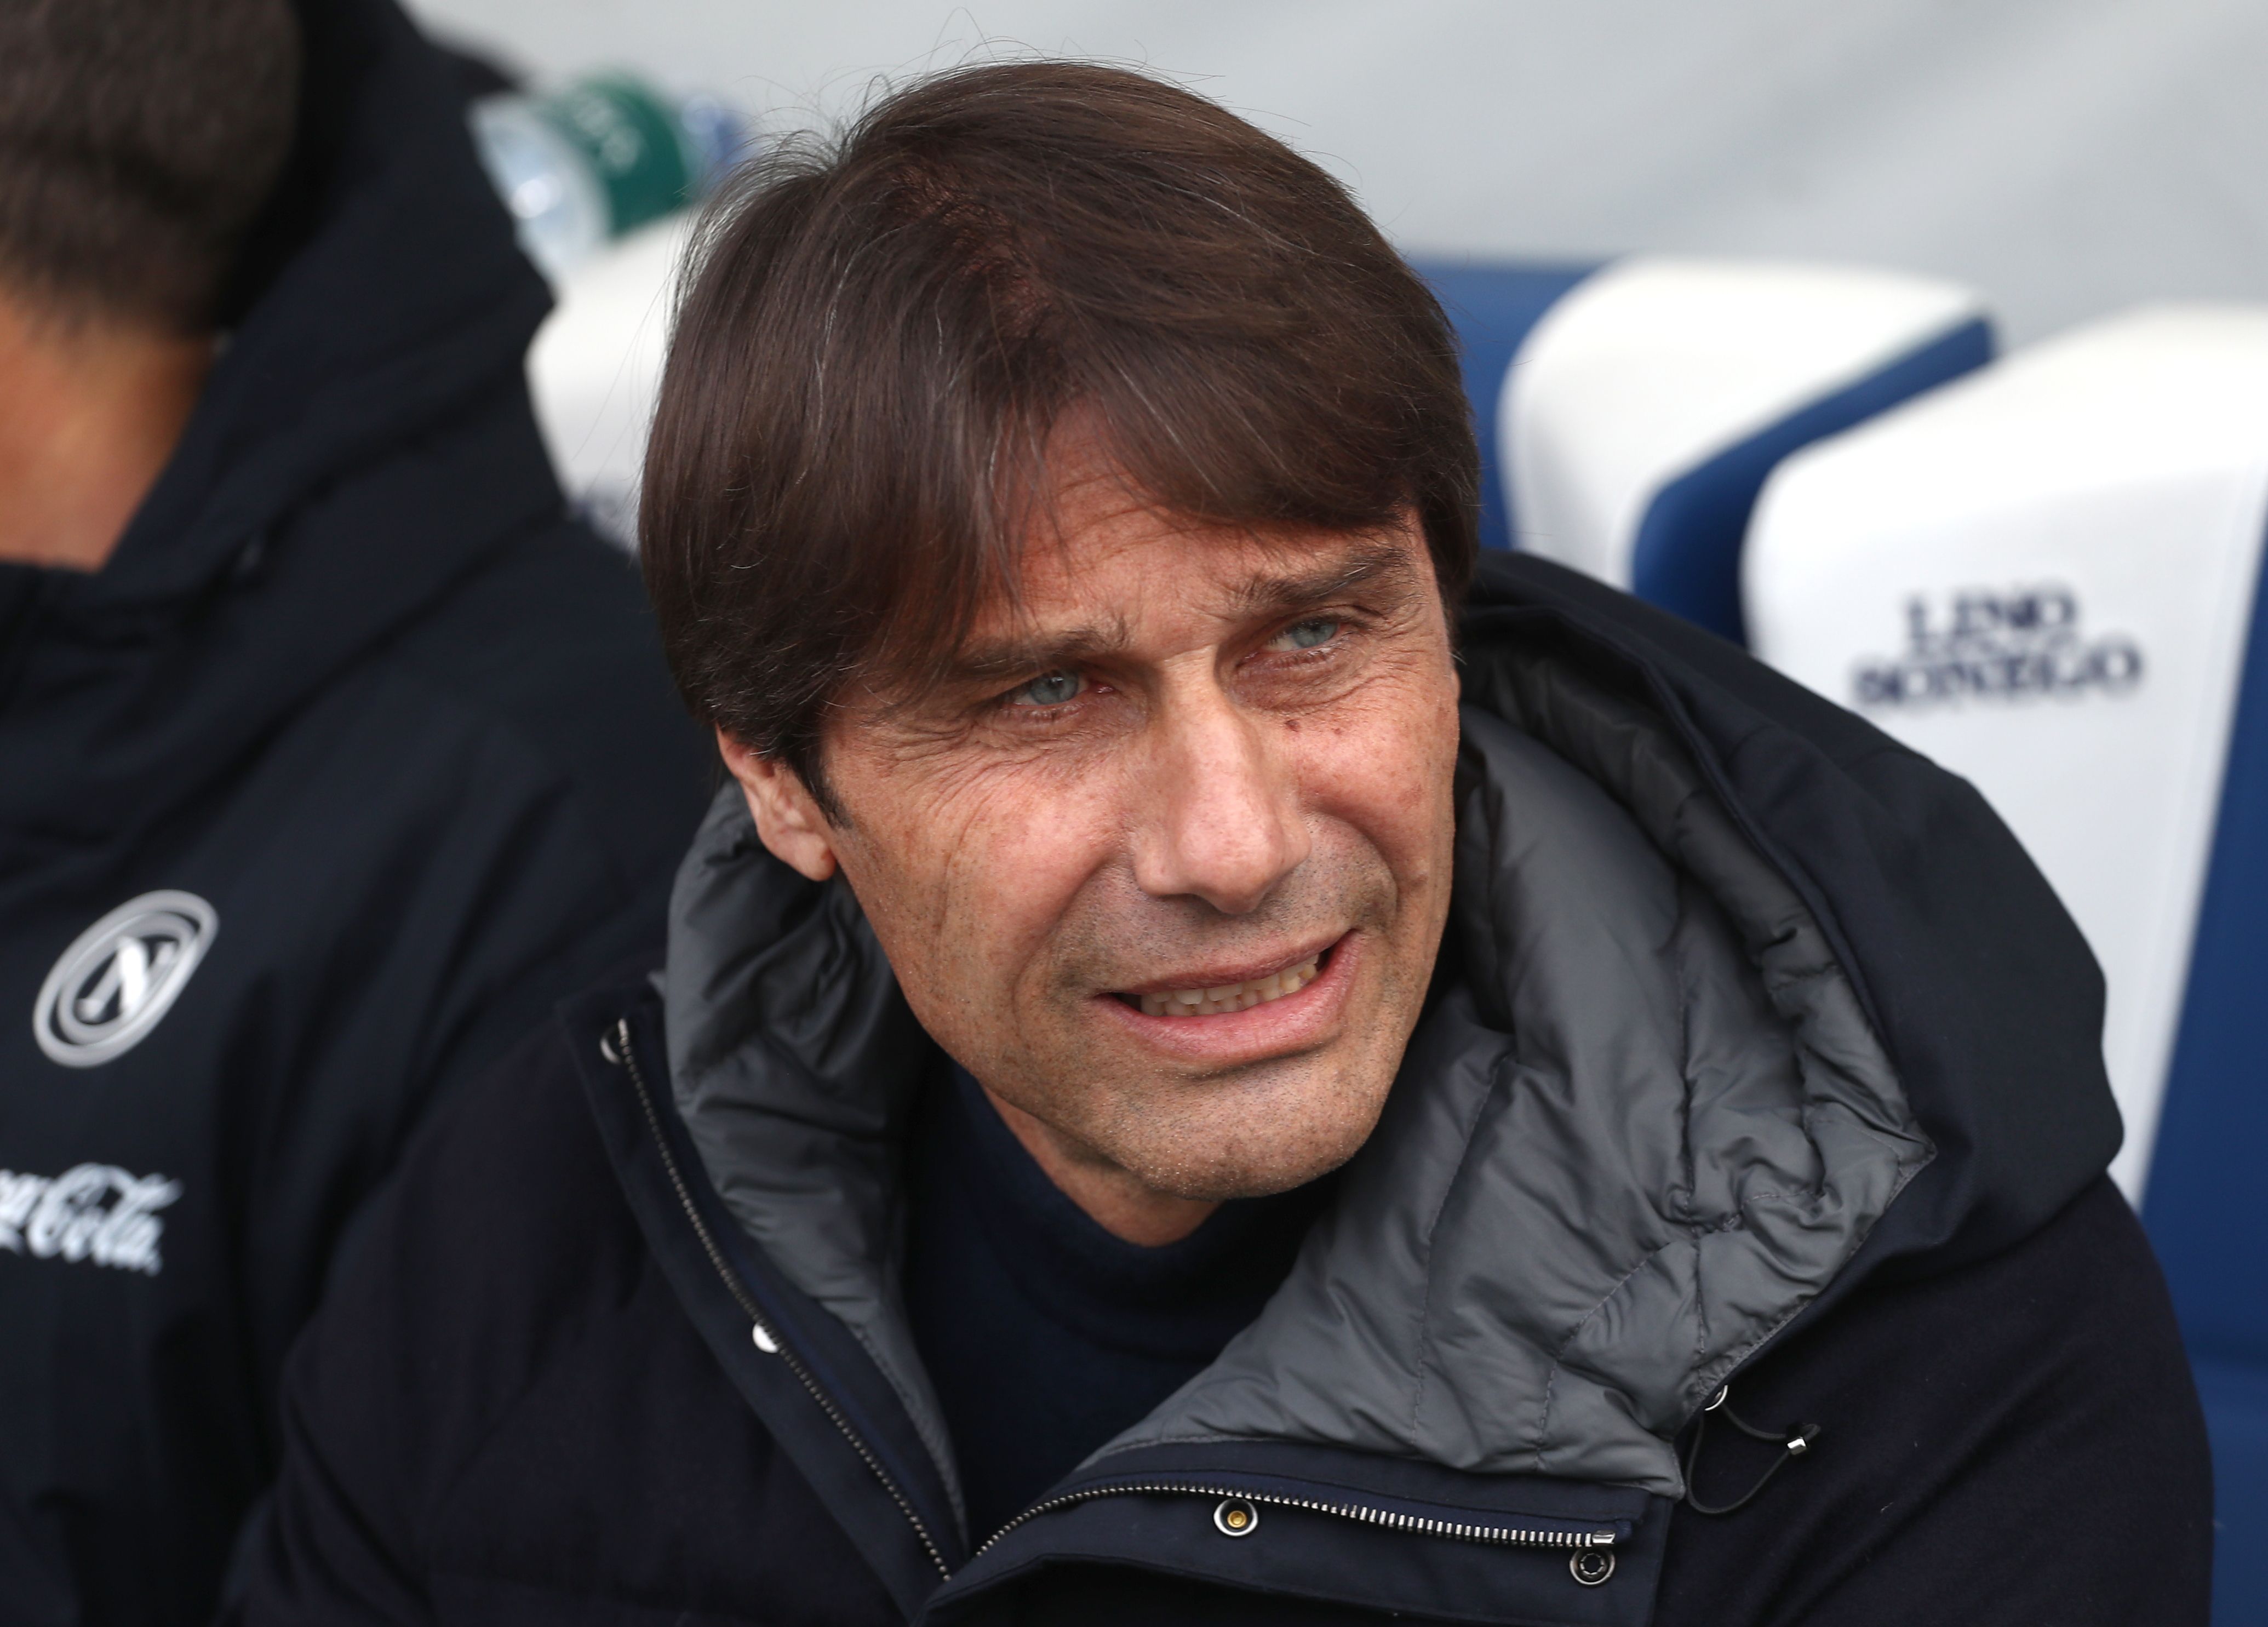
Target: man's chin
[1262,1181]
[1264,1176]
[1266,1129]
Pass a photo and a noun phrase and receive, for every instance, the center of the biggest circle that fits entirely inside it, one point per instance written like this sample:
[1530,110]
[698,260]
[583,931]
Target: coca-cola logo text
[95,1212]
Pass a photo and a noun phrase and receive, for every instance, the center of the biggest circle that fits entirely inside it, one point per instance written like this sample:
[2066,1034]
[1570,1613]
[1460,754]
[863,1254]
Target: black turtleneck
[1044,1335]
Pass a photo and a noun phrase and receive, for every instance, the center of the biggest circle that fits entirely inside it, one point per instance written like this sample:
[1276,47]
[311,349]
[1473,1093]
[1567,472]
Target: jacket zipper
[766,1337]
[1502,1537]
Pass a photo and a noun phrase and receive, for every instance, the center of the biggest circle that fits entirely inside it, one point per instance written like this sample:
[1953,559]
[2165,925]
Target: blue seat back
[2204,1211]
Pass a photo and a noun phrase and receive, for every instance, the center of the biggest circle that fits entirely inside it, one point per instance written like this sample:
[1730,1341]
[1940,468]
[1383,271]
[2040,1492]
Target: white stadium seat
[1644,410]
[595,368]
[2041,578]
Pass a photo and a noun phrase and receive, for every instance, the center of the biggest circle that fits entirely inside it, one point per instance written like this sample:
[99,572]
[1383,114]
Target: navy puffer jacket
[1761,1063]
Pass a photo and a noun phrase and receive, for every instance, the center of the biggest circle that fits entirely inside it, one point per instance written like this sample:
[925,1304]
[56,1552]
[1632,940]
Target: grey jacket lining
[1646,1126]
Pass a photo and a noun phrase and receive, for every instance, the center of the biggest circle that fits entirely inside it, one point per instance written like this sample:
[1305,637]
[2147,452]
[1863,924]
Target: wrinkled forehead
[1106,573]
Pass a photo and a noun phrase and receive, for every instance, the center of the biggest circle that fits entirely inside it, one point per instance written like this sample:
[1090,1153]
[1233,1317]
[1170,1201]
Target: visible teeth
[1234,997]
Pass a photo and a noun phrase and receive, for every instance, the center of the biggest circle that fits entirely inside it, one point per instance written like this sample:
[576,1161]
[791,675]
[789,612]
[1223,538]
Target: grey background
[2065,156]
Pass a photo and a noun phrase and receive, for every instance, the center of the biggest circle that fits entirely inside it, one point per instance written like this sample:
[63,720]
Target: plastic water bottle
[597,159]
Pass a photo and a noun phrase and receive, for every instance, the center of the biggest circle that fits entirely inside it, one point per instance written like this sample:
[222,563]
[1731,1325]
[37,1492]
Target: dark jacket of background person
[1732,986]
[354,678]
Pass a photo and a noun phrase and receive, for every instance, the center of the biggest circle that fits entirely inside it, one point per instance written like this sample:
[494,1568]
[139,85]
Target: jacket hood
[313,505]
[1687,1074]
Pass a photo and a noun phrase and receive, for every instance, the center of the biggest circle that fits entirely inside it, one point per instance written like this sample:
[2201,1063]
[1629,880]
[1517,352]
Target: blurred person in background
[1224,1059]
[332,752]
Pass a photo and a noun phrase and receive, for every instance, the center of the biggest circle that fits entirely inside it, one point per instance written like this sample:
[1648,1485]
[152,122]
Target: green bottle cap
[629,135]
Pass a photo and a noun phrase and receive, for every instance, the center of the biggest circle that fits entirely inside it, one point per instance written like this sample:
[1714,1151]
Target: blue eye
[1305,635]
[1050,689]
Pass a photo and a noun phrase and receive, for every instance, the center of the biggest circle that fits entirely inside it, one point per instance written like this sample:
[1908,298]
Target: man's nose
[1222,820]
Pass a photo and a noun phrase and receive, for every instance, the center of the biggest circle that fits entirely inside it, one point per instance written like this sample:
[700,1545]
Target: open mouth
[1240,997]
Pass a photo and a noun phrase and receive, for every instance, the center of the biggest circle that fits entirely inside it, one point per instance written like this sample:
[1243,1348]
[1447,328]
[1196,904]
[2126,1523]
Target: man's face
[1166,866]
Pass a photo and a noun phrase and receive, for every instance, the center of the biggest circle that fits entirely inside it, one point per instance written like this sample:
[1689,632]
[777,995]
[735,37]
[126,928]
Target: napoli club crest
[121,976]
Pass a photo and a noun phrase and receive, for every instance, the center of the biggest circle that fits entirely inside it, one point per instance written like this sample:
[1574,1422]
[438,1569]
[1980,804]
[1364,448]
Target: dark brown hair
[139,138]
[879,334]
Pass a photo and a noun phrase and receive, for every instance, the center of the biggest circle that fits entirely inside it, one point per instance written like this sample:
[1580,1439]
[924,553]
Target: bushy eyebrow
[1367,564]
[999,659]
[1264,597]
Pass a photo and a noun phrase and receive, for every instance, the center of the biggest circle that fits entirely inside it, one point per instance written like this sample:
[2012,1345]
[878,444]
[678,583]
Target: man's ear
[787,817]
